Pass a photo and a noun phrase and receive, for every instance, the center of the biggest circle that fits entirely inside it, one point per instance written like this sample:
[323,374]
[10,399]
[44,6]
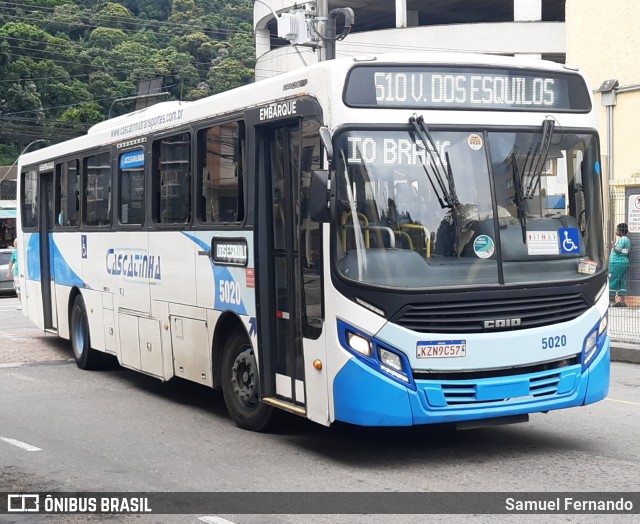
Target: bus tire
[86,357]
[241,386]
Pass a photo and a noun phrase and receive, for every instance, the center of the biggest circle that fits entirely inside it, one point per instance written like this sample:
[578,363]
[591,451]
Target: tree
[90,113]
[227,74]
[73,58]
[184,12]
[106,37]
[25,101]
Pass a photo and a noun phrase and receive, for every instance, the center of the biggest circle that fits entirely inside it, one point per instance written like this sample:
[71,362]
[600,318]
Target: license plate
[442,349]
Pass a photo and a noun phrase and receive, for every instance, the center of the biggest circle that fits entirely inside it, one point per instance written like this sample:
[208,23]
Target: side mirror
[319,196]
[325,136]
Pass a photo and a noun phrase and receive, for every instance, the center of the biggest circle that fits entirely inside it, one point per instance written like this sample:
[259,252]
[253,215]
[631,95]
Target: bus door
[289,250]
[47,259]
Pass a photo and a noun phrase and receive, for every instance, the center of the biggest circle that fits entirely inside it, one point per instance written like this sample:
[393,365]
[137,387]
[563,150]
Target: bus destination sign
[442,87]
[229,251]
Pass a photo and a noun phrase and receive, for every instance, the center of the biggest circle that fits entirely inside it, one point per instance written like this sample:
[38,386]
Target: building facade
[508,27]
[603,39]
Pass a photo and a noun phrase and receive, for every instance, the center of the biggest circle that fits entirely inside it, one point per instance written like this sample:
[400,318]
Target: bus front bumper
[363,396]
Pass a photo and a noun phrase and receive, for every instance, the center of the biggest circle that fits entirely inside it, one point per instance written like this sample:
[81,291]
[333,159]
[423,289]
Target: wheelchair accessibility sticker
[565,241]
[569,240]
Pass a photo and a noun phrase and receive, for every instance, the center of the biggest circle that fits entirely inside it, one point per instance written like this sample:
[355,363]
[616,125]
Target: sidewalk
[625,351]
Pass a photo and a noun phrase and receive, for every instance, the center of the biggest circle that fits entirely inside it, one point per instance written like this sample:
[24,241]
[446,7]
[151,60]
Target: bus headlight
[593,340]
[359,344]
[390,359]
[602,327]
[391,363]
[378,355]
[590,346]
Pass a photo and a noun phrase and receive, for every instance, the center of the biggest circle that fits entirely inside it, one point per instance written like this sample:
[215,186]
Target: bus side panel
[174,278]
[62,310]
[29,267]
[339,358]
[67,274]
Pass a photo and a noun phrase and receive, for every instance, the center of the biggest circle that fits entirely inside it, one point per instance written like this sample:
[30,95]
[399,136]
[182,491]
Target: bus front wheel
[86,357]
[241,386]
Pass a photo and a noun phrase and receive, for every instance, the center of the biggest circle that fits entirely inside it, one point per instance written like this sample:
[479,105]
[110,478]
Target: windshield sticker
[542,243]
[475,142]
[483,246]
[570,240]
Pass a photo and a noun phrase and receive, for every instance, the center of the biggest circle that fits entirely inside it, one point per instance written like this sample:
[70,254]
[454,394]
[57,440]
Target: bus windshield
[420,208]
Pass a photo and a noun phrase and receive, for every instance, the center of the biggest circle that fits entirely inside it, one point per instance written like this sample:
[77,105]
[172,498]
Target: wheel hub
[244,378]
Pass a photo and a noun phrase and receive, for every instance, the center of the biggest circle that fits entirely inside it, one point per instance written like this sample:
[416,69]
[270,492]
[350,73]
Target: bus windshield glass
[419,208]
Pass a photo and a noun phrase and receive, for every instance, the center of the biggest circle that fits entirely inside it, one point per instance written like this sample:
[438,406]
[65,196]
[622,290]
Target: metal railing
[624,322]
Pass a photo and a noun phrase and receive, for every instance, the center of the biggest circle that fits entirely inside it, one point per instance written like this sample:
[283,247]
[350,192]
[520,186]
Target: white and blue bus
[382,241]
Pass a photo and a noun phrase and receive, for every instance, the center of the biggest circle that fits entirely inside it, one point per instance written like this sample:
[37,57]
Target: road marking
[212,519]
[20,444]
[623,401]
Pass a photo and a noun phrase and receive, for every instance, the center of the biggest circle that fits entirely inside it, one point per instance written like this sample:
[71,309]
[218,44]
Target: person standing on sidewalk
[13,268]
[618,265]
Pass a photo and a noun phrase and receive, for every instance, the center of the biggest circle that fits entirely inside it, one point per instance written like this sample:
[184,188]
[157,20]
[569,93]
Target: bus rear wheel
[241,386]
[86,357]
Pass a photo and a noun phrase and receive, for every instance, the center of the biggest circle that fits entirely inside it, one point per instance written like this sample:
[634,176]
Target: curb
[625,352]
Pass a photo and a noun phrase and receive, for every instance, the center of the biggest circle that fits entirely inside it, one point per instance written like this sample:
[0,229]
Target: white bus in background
[388,241]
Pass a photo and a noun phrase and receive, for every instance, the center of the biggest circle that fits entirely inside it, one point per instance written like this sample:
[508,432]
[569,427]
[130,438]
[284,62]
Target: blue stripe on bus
[366,397]
[599,374]
[62,272]
[221,274]
[33,257]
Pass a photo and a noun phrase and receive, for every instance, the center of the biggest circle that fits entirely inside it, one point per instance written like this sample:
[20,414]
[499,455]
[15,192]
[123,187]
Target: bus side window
[67,196]
[97,183]
[172,191]
[131,187]
[220,174]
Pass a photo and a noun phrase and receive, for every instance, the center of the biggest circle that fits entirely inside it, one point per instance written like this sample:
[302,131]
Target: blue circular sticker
[483,246]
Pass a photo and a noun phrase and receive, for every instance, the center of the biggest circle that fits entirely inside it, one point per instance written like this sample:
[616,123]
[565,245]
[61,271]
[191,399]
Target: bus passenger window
[172,188]
[67,197]
[97,183]
[131,187]
[29,200]
[220,173]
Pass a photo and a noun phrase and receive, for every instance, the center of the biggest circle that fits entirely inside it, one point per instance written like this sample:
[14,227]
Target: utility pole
[304,26]
[322,13]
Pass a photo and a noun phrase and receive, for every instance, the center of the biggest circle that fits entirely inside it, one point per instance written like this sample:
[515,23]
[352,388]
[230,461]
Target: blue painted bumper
[365,397]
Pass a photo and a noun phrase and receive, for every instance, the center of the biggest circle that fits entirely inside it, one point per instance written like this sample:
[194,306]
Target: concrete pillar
[263,42]
[401,13]
[527,10]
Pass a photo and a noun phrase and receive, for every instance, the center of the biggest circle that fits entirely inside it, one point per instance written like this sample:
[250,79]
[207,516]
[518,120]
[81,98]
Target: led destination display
[444,87]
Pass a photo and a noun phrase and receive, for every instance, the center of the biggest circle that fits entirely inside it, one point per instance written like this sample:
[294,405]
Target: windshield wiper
[531,170]
[519,199]
[538,161]
[445,190]
[447,196]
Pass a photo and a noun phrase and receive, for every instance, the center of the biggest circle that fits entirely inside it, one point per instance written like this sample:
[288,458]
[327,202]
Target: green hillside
[63,63]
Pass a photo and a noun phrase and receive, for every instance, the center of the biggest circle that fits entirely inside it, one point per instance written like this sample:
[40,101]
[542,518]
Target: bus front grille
[492,315]
[465,393]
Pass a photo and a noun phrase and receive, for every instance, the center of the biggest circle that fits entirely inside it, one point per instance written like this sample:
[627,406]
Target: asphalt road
[117,430]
